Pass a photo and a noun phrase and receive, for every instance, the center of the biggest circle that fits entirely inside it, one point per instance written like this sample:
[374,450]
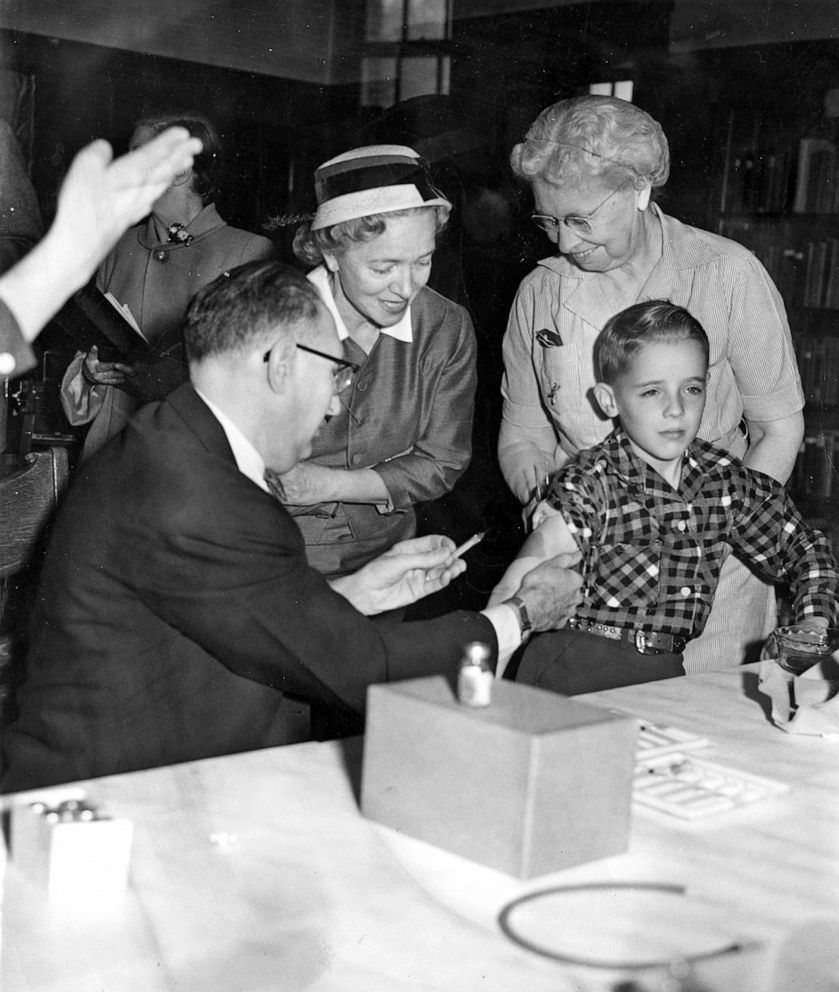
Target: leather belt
[644,642]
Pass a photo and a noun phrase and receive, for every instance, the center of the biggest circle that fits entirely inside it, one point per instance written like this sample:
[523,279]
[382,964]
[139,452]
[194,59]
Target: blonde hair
[309,246]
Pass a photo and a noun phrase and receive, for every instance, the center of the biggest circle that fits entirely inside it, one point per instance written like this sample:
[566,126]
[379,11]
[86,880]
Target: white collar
[248,459]
[319,278]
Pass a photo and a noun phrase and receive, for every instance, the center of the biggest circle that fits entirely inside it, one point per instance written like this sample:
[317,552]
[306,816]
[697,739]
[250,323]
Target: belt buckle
[642,646]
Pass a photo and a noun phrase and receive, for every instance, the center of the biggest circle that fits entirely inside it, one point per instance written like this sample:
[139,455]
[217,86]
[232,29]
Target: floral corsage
[179,235]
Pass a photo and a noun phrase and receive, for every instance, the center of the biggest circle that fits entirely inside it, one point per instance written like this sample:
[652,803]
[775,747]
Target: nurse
[403,433]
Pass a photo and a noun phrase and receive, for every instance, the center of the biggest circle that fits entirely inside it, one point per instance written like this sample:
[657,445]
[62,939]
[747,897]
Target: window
[621,89]
[407,45]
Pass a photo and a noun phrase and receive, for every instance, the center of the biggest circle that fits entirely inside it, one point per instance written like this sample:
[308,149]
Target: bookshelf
[780,198]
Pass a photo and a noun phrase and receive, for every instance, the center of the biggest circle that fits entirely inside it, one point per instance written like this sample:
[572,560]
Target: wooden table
[309,895]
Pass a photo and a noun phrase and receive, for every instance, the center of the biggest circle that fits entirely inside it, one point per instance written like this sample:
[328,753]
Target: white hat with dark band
[376,179]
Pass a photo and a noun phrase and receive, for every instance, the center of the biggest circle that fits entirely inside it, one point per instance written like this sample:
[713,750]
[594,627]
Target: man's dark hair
[255,300]
[627,332]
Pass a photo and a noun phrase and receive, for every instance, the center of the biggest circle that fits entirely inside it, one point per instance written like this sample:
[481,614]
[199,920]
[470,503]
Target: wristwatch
[521,611]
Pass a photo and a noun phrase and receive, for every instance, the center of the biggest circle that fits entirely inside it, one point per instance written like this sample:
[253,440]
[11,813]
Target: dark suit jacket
[175,608]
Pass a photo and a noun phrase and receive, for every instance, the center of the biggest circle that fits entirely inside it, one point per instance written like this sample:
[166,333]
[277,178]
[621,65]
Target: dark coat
[176,607]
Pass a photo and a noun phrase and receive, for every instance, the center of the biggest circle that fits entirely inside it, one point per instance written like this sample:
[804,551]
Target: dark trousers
[573,662]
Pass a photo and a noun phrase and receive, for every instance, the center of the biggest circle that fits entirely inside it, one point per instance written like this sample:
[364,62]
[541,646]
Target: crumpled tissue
[803,704]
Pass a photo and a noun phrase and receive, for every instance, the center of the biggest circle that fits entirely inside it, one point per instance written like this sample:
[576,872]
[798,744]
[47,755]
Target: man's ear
[605,396]
[280,364]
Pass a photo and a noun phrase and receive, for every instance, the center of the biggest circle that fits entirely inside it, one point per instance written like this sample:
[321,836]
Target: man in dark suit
[177,617]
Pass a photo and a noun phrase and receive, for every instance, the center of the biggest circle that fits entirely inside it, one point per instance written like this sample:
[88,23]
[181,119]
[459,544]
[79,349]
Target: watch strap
[521,611]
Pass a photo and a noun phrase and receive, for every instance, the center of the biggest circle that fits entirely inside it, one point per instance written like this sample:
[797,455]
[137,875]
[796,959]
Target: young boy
[651,510]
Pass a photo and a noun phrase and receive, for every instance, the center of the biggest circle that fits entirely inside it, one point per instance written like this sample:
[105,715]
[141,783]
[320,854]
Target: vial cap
[476,653]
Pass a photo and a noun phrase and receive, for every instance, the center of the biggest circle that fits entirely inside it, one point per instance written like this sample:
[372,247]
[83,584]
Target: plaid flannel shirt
[652,555]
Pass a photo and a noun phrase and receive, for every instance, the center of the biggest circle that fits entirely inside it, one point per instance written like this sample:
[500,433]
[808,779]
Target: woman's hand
[309,483]
[305,484]
[530,513]
[104,373]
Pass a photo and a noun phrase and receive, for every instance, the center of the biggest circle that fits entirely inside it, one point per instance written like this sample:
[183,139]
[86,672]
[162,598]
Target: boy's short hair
[627,332]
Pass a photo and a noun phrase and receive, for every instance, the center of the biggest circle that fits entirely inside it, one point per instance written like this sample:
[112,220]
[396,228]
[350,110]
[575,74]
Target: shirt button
[686,591]
[7,363]
[362,385]
[682,526]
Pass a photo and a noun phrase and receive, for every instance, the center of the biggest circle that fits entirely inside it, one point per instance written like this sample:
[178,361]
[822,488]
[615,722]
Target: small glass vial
[474,680]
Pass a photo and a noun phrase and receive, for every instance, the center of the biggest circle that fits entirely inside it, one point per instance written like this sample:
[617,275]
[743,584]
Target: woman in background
[154,271]
[404,431]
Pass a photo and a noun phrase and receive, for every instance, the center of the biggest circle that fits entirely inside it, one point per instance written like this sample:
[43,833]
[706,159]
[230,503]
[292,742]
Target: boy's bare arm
[550,538]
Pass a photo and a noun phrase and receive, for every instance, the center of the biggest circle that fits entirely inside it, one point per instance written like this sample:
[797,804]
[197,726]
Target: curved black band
[372,177]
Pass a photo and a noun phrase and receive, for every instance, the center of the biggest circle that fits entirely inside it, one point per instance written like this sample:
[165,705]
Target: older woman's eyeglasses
[343,370]
[580,224]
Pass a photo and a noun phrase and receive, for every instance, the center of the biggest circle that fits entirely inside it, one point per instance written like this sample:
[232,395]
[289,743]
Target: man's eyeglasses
[343,371]
[576,223]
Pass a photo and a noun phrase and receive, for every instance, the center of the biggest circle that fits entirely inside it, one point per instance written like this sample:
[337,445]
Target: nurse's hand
[309,483]
[303,485]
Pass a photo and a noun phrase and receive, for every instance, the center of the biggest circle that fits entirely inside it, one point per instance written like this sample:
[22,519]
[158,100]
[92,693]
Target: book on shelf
[816,177]
[777,183]
[816,266]
[759,182]
[816,467]
[829,373]
[831,289]
[818,365]
[821,279]
[790,277]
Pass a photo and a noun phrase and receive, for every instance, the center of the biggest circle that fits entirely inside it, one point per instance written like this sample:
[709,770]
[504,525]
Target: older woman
[594,164]
[154,271]
[404,431]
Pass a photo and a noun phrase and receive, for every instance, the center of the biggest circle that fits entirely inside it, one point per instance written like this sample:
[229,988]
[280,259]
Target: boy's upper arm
[551,536]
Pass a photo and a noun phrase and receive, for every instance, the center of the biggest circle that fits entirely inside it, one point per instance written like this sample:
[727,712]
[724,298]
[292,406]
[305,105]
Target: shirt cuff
[505,621]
